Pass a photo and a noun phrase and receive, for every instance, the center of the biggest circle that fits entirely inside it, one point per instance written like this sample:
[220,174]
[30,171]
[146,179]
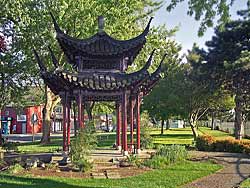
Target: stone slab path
[236,169]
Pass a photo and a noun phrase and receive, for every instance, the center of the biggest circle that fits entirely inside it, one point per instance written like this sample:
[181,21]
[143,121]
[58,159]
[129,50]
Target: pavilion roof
[59,80]
[100,45]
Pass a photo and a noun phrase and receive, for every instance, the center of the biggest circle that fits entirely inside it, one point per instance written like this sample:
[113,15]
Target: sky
[188,27]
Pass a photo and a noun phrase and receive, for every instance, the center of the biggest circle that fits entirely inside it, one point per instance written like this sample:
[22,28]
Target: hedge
[209,143]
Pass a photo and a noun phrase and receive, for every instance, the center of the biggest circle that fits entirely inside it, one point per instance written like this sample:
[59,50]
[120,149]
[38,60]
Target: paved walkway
[236,169]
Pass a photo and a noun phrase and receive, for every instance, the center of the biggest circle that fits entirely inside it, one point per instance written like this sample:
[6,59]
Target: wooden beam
[80,106]
[124,123]
[131,114]
[64,103]
[138,129]
[118,125]
[69,122]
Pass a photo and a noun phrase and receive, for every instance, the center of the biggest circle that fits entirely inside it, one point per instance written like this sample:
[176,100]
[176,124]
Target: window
[7,113]
[21,117]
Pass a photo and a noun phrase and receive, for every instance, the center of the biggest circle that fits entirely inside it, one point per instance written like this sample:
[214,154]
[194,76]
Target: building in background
[18,121]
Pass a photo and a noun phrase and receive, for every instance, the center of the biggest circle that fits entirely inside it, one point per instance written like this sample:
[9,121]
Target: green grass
[106,140]
[171,177]
[36,147]
[245,183]
[215,133]
[173,136]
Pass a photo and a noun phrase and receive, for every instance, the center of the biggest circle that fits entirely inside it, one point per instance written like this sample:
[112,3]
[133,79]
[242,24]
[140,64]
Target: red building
[18,121]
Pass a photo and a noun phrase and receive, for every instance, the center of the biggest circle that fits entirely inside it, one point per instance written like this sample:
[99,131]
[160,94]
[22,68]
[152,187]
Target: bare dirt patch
[119,172]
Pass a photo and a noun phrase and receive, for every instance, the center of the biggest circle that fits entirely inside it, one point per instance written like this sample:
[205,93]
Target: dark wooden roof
[100,45]
[59,80]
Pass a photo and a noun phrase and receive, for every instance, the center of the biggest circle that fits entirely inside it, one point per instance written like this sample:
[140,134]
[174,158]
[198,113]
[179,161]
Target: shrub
[81,147]
[84,165]
[133,160]
[204,143]
[166,155]
[14,169]
[146,139]
[209,143]
[10,146]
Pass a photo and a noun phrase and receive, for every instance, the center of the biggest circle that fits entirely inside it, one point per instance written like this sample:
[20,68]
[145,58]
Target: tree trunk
[212,121]
[194,131]
[193,126]
[162,126]
[107,122]
[89,108]
[239,122]
[50,103]
[167,124]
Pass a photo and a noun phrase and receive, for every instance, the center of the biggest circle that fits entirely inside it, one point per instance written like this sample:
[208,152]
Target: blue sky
[188,27]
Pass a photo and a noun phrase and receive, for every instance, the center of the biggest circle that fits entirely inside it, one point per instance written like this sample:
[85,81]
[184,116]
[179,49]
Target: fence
[229,127]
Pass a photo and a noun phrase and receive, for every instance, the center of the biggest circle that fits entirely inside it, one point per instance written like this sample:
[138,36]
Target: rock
[114,160]
[125,164]
[64,161]
[32,163]
[41,164]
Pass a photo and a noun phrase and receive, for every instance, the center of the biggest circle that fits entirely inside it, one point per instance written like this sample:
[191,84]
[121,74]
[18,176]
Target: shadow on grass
[174,136]
[9,181]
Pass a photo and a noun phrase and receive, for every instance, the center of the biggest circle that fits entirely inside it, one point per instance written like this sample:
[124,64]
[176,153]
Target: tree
[33,28]
[207,11]
[228,59]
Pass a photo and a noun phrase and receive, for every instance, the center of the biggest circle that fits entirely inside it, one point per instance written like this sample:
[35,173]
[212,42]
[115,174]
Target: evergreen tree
[228,64]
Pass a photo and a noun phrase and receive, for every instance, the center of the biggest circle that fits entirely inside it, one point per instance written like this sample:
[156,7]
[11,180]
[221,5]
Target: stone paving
[236,169]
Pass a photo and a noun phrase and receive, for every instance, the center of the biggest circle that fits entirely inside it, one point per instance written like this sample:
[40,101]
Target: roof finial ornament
[100,24]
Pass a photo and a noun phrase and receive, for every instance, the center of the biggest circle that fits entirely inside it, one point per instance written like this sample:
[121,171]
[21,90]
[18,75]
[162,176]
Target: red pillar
[80,108]
[69,123]
[65,111]
[124,123]
[138,130]
[131,121]
[82,114]
[118,127]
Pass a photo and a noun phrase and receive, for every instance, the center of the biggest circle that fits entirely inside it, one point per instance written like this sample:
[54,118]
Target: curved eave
[153,79]
[91,46]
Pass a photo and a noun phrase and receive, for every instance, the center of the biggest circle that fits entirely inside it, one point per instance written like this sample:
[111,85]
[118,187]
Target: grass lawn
[215,133]
[36,147]
[245,184]
[173,136]
[173,176]
[106,140]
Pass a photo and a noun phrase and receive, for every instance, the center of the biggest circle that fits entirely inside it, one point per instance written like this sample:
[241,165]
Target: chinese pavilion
[100,63]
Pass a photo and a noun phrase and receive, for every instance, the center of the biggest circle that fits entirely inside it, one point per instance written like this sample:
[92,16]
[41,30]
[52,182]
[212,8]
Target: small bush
[84,165]
[51,166]
[166,155]
[10,146]
[133,160]
[14,169]
[146,139]
[204,143]
[81,147]
[209,143]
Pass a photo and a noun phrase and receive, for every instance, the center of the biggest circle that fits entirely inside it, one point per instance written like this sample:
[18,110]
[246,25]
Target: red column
[124,123]
[118,127]
[64,124]
[131,114]
[138,130]
[82,114]
[69,123]
[80,122]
